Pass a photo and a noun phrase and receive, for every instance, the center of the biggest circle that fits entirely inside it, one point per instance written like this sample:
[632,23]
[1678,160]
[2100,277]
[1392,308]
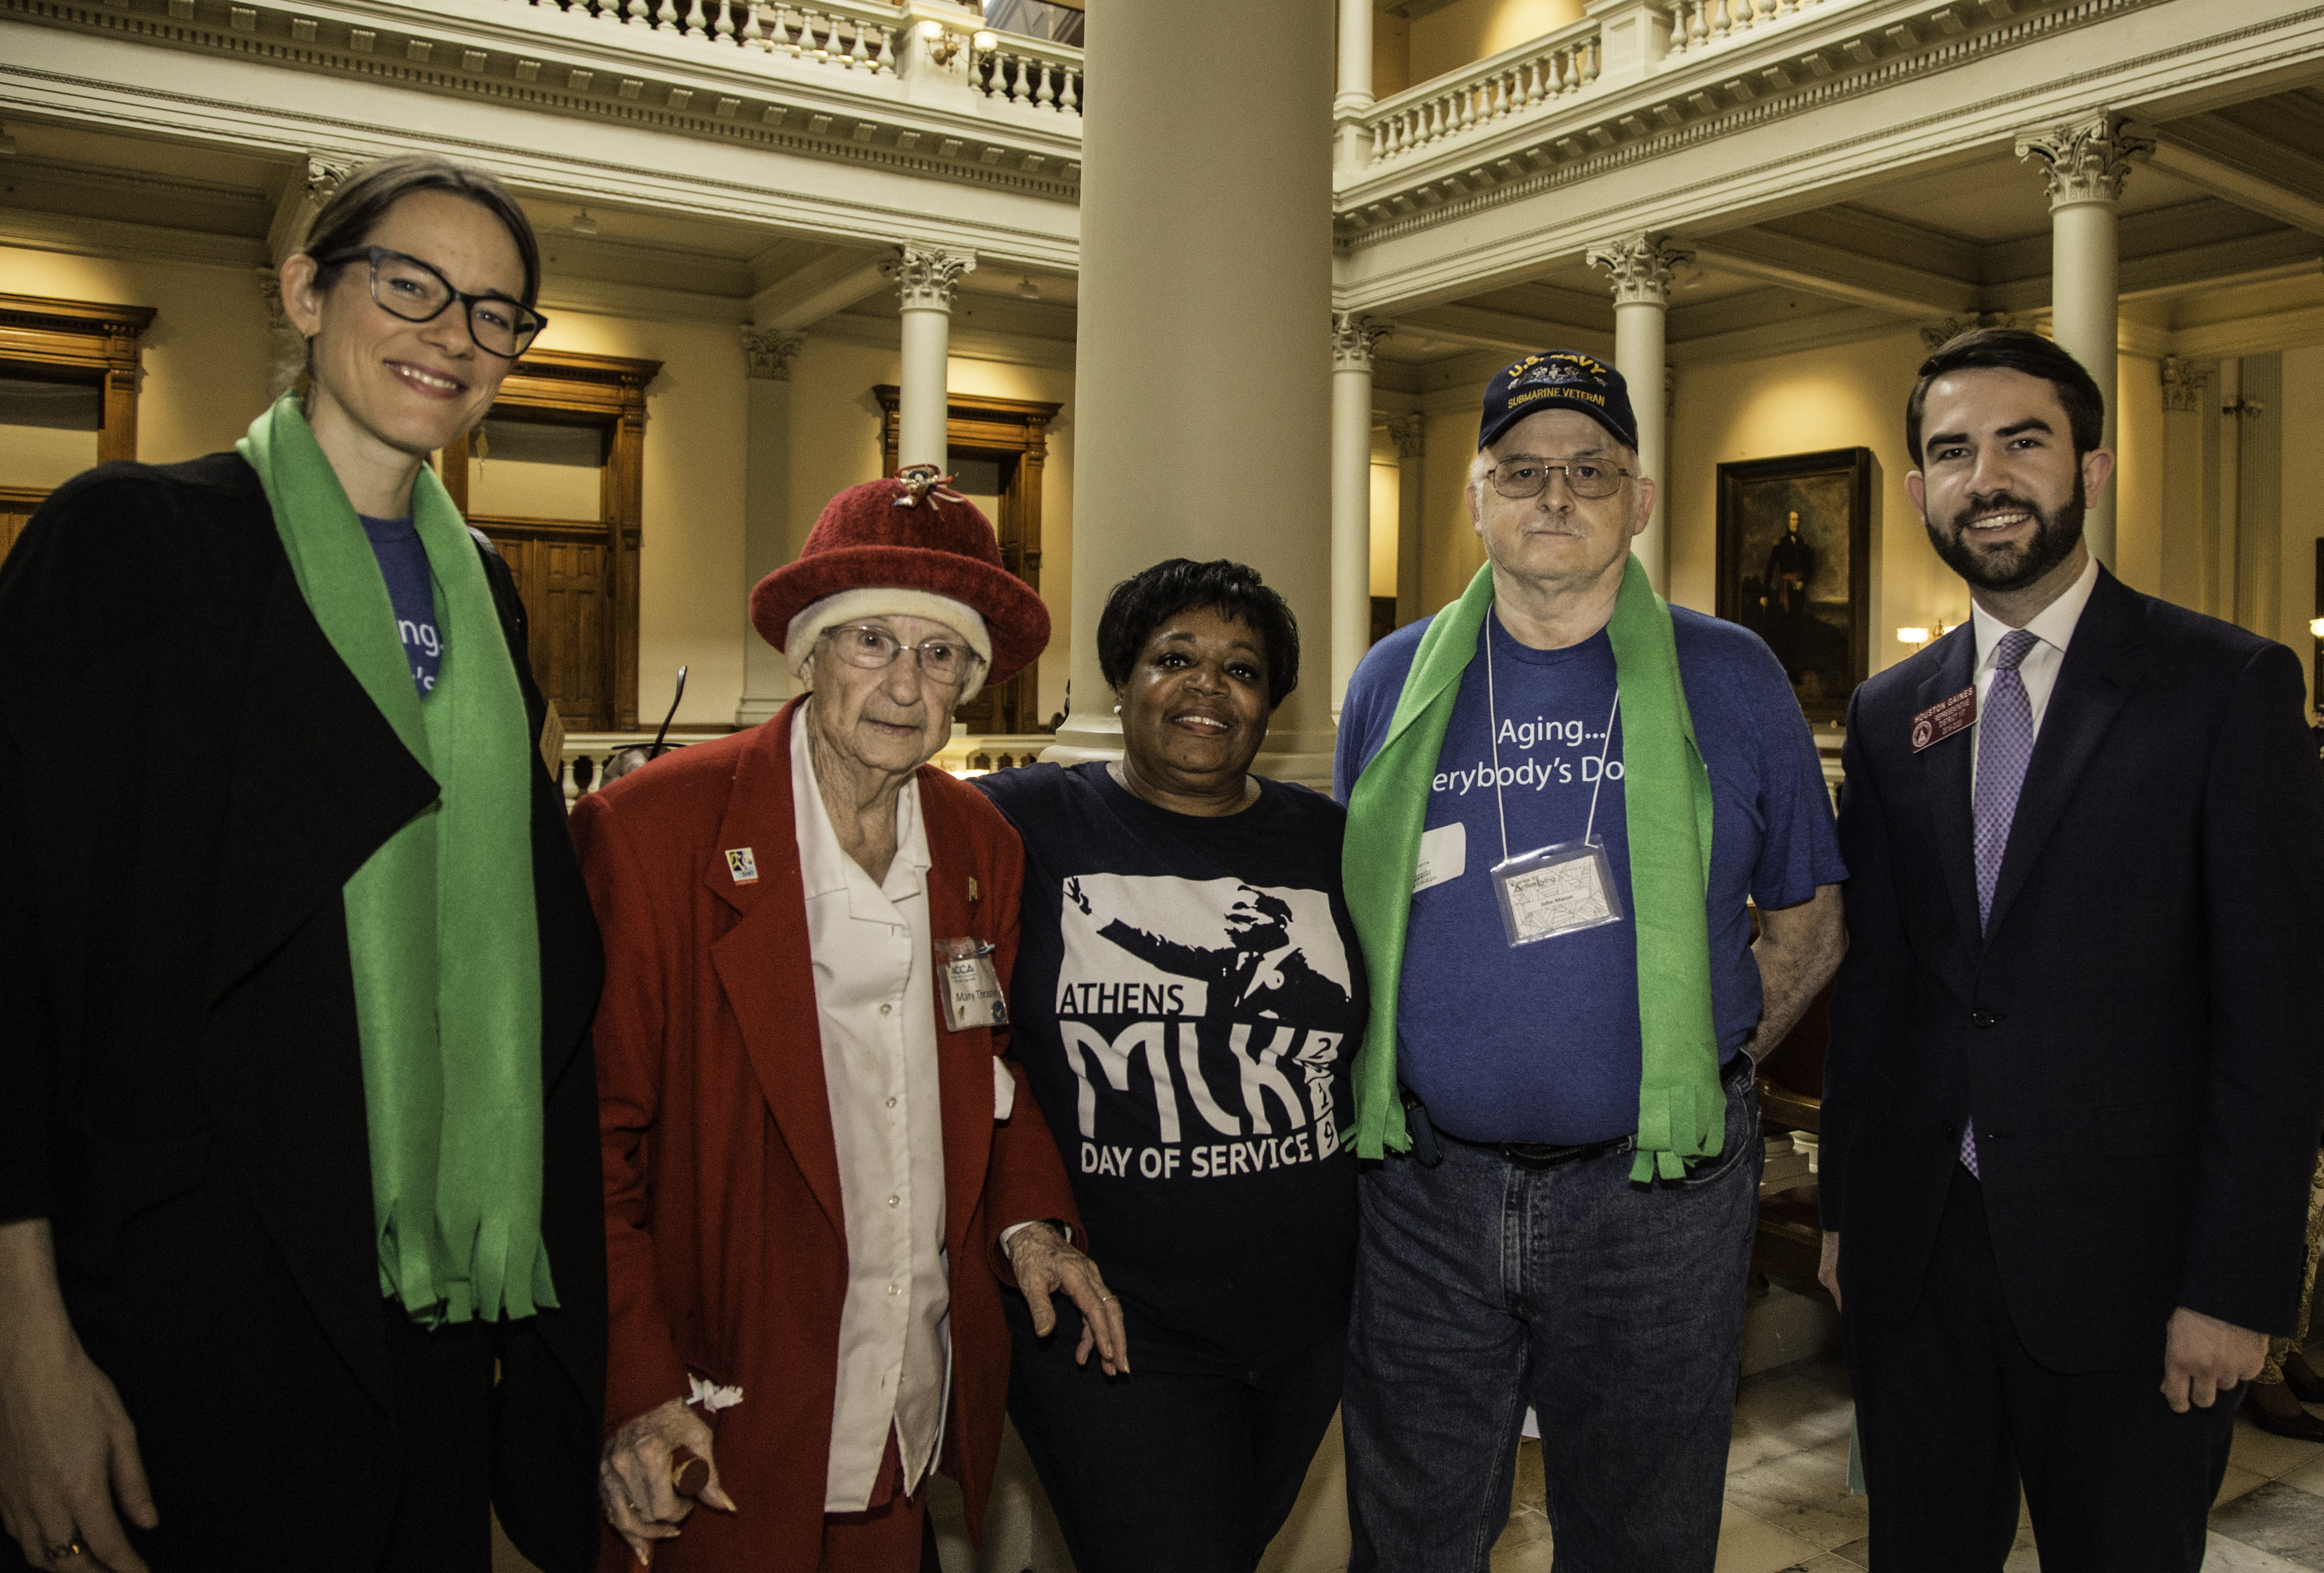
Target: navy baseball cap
[1558,379]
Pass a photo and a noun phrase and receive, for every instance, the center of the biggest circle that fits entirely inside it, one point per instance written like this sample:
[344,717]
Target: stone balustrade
[1515,81]
[1030,73]
[1545,74]
[868,36]
[1699,24]
[855,34]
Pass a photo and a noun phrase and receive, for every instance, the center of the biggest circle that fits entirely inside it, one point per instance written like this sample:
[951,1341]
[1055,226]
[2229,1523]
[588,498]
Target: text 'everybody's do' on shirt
[1540,1042]
[411,589]
[1188,993]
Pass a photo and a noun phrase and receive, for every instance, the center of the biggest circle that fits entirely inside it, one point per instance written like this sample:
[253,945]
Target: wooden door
[17,505]
[1012,433]
[577,576]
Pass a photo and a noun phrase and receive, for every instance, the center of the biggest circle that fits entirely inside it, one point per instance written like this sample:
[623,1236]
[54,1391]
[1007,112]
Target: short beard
[2055,536]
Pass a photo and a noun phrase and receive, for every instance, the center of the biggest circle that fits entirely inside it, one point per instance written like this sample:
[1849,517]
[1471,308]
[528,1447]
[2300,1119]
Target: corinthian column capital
[1353,339]
[770,351]
[1641,266]
[2086,160]
[926,276]
[1409,433]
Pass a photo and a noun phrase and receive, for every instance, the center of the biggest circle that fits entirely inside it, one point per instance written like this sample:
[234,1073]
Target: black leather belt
[1533,1155]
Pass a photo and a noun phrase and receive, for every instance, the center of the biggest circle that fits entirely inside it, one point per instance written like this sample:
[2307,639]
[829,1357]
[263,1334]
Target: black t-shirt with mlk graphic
[1187,996]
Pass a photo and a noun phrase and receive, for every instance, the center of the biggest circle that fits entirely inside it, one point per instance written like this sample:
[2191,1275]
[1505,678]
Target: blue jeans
[1615,1309]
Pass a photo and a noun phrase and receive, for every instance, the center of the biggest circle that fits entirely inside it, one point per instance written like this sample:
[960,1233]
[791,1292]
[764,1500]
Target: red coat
[724,1242]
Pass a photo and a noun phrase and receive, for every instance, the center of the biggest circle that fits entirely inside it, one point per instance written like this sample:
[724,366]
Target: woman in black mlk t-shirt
[1188,994]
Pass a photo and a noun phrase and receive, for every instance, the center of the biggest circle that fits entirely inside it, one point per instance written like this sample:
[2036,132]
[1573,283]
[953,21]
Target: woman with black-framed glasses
[302,1259]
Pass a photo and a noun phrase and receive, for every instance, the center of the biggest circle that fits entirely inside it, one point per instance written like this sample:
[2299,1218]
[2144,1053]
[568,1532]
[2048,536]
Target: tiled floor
[1789,1511]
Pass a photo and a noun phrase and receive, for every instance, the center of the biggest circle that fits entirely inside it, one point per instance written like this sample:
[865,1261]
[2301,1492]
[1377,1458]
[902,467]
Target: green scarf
[1666,795]
[441,930]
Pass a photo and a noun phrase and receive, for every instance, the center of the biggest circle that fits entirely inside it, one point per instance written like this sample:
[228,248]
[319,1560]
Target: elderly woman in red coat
[820,1171]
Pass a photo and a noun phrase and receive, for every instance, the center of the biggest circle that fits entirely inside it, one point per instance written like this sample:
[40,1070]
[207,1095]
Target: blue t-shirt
[1539,1042]
[403,564]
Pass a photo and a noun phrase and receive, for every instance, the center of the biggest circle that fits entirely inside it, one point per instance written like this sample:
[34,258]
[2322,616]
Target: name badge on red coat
[972,987]
[741,866]
[1944,718]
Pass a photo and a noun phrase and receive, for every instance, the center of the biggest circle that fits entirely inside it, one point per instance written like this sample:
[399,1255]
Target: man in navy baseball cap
[1559,379]
[1555,1089]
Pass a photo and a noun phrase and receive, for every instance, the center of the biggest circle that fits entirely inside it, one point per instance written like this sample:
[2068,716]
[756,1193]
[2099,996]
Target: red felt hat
[911,532]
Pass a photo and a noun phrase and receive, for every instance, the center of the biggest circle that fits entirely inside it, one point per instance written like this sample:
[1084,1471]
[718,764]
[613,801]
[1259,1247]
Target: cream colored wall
[1391,51]
[835,444]
[2304,518]
[1450,552]
[690,589]
[2138,473]
[1386,479]
[1846,396]
[529,490]
[206,355]
[1471,30]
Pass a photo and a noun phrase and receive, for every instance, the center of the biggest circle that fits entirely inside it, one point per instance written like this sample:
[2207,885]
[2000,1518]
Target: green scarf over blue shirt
[1667,799]
[441,930]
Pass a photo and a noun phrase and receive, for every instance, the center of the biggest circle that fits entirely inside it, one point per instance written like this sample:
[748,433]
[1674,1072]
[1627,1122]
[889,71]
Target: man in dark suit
[2074,1085]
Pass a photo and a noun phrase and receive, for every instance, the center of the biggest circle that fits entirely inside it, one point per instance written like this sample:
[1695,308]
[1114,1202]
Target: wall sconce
[943,44]
[2316,627]
[984,42]
[1913,636]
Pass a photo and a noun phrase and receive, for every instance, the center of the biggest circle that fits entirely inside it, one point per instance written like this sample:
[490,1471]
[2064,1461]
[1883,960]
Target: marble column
[1353,339]
[926,278]
[1641,266]
[1201,390]
[2085,163]
[1352,142]
[2186,391]
[1409,433]
[766,543]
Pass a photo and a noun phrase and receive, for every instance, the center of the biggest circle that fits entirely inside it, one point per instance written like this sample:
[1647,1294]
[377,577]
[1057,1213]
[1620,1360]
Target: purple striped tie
[2004,742]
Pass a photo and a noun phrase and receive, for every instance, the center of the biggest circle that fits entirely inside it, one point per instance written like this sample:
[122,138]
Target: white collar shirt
[2052,628]
[874,961]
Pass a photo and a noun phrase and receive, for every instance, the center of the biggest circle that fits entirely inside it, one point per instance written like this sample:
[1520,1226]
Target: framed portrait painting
[1795,567]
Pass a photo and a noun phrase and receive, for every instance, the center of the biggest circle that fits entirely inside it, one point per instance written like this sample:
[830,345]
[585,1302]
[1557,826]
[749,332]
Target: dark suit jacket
[187,775]
[726,1233]
[2137,1032]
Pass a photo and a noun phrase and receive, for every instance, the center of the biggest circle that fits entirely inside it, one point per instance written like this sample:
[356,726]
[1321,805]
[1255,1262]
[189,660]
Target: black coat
[2137,1034]
[188,774]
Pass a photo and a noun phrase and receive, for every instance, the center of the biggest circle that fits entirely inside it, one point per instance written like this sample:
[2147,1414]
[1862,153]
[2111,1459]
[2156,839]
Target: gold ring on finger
[65,1552]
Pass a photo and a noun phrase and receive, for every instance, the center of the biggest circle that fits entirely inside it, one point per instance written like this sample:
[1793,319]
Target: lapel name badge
[742,866]
[1944,718]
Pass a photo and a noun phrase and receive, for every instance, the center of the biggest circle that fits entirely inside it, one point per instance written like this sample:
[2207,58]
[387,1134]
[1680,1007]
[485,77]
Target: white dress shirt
[874,964]
[2051,628]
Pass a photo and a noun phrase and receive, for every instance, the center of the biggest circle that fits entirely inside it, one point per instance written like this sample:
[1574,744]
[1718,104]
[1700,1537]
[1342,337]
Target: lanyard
[1493,720]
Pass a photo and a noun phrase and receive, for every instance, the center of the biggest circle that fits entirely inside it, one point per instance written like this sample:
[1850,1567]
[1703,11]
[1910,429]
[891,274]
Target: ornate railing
[1514,82]
[1030,73]
[1545,74]
[1698,24]
[855,35]
[861,35]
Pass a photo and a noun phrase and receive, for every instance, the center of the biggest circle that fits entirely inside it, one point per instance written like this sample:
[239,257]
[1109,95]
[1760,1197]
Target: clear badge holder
[971,988]
[1555,890]
[1562,889]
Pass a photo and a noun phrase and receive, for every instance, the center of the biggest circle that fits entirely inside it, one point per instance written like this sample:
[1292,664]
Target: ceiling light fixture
[1028,289]
[583,224]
